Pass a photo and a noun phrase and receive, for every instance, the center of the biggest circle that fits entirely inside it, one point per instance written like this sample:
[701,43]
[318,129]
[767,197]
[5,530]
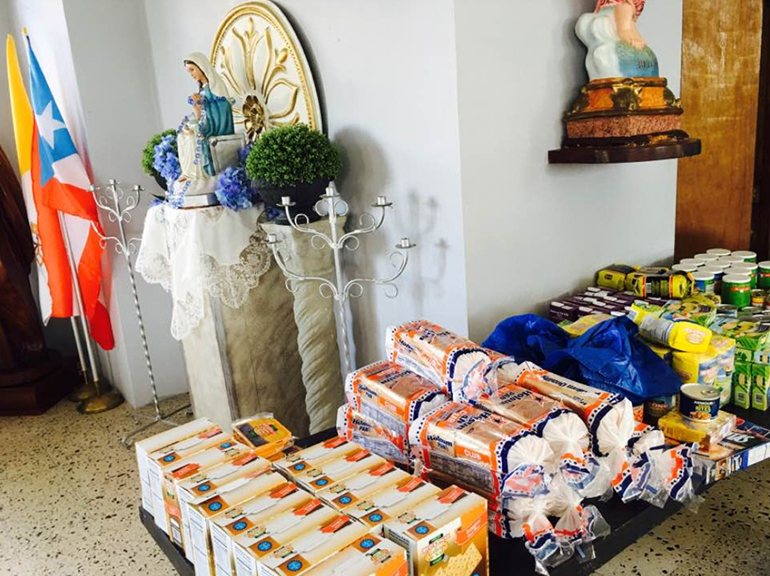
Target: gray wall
[534,231]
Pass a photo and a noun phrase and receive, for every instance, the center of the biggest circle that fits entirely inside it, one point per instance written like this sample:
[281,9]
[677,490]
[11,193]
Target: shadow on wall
[365,175]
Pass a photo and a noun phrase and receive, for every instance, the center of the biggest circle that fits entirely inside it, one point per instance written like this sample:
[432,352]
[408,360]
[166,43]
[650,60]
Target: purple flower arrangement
[166,161]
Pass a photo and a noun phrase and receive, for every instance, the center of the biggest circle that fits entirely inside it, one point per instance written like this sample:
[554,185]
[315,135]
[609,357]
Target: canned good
[720,264]
[656,408]
[736,290]
[749,267]
[719,252]
[718,275]
[706,257]
[699,402]
[750,311]
[690,268]
[692,262]
[763,275]
[758,299]
[727,310]
[731,259]
[747,255]
[704,282]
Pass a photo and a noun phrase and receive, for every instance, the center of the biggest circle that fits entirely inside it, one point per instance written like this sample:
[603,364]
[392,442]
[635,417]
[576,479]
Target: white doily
[207,250]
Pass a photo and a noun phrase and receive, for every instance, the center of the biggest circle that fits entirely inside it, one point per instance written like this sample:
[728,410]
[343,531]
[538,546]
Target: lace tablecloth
[207,250]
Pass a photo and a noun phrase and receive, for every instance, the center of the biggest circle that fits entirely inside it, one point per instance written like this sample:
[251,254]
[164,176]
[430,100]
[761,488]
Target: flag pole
[102,401]
[86,389]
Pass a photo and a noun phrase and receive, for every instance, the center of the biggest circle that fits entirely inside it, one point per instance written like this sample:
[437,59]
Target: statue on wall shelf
[616,49]
[626,112]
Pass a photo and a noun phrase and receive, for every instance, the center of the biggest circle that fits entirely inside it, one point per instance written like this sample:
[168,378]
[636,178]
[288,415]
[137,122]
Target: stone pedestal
[315,321]
[246,360]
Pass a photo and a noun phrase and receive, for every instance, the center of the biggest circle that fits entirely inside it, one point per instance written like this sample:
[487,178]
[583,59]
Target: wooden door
[721,50]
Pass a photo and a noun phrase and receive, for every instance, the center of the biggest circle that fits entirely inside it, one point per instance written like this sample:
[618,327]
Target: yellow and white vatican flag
[24,129]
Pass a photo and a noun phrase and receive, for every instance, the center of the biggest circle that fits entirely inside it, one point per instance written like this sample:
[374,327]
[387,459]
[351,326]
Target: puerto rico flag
[60,182]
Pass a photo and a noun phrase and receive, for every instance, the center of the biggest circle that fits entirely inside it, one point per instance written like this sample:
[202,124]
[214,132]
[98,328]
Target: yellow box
[304,552]
[303,461]
[206,484]
[251,518]
[390,503]
[266,435]
[233,494]
[367,556]
[445,535]
[158,442]
[675,426]
[328,473]
[168,457]
[222,453]
[351,491]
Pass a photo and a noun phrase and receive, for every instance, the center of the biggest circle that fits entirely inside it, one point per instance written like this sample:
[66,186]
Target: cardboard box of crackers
[207,484]
[337,469]
[359,487]
[158,442]
[445,535]
[300,554]
[253,520]
[222,453]
[367,556]
[231,495]
[168,459]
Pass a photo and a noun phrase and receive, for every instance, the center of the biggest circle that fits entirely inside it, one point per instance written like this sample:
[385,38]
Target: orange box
[367,556]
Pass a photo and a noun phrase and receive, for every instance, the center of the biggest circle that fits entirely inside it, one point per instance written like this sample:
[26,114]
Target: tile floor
[69,494]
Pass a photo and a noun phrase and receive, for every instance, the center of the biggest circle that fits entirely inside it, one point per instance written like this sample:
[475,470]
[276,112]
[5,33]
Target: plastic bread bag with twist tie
[531,522]
[355,427]
[481,449]
[578,525]
[675,465]
[489,385]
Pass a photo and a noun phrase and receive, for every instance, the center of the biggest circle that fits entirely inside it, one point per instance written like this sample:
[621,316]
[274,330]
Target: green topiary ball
[292,155]
[148,154]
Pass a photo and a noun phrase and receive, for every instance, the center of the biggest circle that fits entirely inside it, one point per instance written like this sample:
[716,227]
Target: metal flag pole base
[83,392]
[105,399]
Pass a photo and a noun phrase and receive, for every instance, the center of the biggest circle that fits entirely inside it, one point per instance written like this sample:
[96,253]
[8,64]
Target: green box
[743,355]
[725,386]
[742,385]
[761,356]
[747,334]
[760,374]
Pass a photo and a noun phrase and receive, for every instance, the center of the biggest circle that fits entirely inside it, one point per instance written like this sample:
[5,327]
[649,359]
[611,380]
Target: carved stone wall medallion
[262,62]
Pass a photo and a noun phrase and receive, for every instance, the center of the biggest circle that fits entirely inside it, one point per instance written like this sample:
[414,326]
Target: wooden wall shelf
[621,154]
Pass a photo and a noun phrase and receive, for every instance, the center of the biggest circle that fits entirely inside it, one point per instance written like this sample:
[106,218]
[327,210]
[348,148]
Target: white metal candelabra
[331,206]
[118,206]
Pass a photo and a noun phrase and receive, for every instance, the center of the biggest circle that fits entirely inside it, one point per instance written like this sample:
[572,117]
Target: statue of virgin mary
[616,49]
[212,116]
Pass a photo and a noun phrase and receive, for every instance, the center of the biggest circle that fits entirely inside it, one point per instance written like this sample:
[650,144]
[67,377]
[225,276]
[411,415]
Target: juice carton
[742,385]
[760,375]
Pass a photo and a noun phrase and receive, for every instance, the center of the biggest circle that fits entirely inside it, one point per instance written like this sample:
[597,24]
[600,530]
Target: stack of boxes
[752,361]
[244,505]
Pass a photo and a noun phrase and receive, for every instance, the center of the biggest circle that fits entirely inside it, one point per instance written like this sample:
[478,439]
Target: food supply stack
[251,503]
[535,445]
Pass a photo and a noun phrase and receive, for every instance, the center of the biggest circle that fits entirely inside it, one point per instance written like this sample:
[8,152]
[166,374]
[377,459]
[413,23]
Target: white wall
[534,231]
[386,71]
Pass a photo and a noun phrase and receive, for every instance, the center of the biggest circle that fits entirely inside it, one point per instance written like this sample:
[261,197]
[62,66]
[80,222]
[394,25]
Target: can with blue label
[699,402]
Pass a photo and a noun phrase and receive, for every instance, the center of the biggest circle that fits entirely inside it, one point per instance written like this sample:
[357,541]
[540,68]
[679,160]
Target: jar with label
[704,282]
[736,290]
[747,255]
[749,267]
[719,252]
[731,259]
[720,264]
[693,268]
[763,275]
[692,262]
[718,275]
[705,257]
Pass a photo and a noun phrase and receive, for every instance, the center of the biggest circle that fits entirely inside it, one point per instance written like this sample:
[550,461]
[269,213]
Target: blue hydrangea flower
[234,189]
[166,161]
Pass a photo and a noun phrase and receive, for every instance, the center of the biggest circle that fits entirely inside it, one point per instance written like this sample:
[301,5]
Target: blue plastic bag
[609,356]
